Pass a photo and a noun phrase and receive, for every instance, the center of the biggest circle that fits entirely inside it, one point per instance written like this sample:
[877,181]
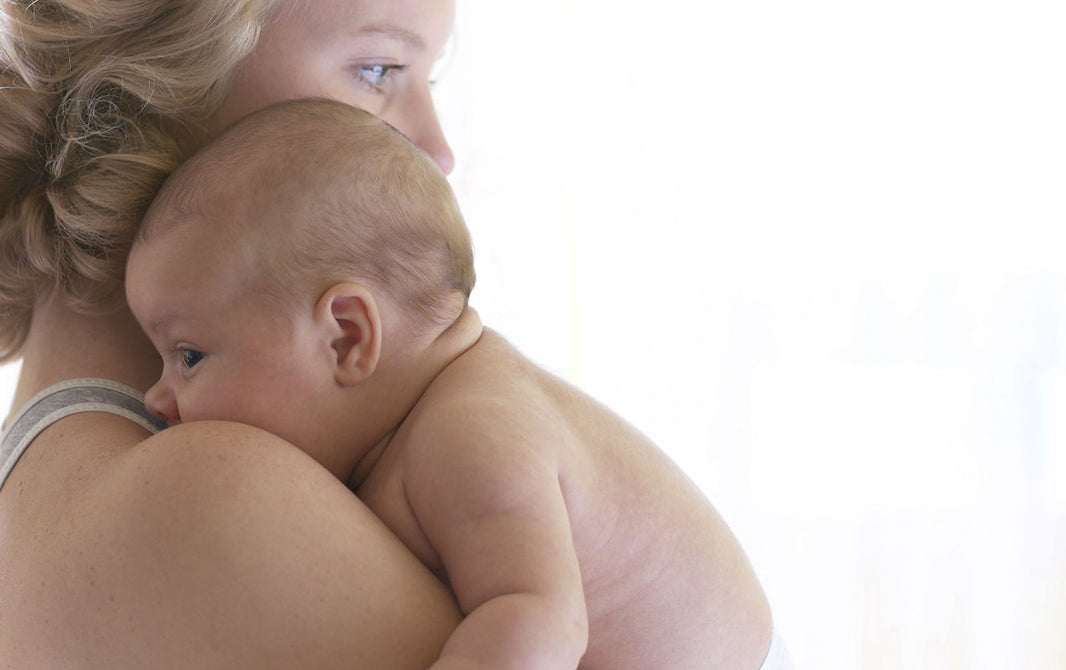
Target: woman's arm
[228,547]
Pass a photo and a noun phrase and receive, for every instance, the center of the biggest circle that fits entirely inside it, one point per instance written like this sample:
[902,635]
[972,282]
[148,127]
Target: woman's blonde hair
[98,102]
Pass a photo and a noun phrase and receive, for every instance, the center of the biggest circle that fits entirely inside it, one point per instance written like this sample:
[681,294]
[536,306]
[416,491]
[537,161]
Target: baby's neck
[410,380]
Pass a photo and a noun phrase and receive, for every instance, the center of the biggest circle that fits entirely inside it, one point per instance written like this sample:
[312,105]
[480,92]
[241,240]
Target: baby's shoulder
[492,381]
[492,370]
[491,395]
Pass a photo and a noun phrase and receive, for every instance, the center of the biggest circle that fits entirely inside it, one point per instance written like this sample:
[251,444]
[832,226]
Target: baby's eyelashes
[190,357]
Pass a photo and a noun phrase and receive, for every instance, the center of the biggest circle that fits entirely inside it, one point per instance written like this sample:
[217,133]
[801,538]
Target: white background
[814,250]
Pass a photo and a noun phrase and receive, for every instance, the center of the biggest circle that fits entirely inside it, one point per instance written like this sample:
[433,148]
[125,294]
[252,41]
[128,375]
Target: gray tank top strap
[61,400]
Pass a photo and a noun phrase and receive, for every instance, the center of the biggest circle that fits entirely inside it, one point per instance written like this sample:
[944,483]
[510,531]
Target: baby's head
[315,191]
[305,210]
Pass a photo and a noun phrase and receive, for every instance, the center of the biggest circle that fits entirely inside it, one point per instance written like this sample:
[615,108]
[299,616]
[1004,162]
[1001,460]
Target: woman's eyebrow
[392,32]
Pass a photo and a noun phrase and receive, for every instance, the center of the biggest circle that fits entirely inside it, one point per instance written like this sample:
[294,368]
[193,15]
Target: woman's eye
[190,357]
[376,76]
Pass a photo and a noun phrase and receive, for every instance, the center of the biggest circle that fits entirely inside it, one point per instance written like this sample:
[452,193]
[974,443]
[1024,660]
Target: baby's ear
[352,323]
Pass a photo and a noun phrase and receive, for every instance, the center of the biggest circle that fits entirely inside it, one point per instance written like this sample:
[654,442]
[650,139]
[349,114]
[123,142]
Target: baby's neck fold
[409,380]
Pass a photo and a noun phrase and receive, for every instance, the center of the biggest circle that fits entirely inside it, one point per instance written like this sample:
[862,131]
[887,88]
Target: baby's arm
[486,491]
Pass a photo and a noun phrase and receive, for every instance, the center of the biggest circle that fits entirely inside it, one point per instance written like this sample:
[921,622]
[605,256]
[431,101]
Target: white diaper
[777,658]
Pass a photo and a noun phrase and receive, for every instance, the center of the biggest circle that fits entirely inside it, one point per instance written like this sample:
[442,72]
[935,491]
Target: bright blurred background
[814,250]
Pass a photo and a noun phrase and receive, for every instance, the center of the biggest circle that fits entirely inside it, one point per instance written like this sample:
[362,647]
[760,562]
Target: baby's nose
[162,403]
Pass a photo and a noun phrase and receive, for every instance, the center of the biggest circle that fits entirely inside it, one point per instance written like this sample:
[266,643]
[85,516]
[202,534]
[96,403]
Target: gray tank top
[63,399]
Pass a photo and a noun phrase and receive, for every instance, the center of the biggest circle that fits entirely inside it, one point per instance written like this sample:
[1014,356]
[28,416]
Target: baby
[309,273]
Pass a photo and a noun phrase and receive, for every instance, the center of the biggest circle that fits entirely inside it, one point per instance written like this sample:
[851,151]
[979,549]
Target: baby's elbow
[580,622]
[573,624]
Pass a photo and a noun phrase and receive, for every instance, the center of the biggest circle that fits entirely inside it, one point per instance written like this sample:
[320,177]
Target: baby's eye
[190,357]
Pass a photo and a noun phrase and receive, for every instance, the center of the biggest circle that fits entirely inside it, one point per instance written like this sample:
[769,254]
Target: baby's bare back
[666,583]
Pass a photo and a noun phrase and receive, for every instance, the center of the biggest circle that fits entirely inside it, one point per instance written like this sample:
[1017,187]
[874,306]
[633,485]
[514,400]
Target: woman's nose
[423,128]
[438,149]
[162,403]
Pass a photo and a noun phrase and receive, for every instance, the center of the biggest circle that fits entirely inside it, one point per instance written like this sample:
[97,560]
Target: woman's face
[373,54]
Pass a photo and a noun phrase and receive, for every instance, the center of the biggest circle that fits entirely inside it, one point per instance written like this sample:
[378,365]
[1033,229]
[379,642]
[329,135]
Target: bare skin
[208,545]
[218,545]
[566,535]
[508,481]
[558,525]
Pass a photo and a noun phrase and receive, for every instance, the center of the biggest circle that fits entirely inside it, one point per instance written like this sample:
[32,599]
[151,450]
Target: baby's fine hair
[95,98]
[324,192]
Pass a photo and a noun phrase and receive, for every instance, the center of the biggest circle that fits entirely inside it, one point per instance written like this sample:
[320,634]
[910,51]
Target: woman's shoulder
[268,546]
[203,455]
[215,544]
[214,471]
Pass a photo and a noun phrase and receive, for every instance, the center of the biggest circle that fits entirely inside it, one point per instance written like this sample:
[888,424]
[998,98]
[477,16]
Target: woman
[210,544]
